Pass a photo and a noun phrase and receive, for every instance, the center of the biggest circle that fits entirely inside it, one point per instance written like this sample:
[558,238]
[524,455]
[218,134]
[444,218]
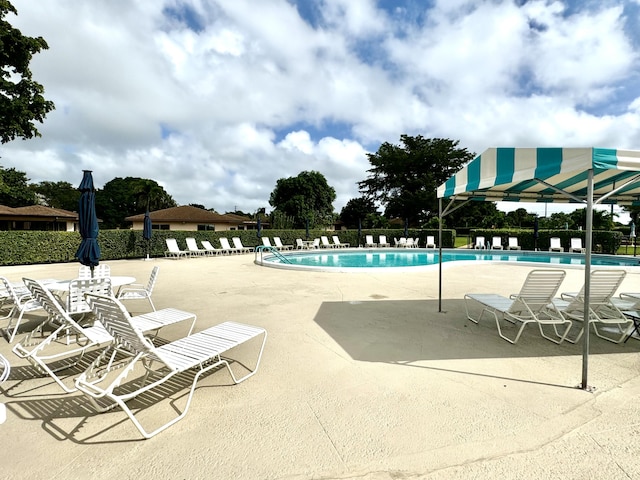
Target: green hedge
[31,247]
[603,241]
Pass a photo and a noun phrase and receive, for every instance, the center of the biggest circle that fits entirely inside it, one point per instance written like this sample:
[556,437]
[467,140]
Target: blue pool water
[405,258]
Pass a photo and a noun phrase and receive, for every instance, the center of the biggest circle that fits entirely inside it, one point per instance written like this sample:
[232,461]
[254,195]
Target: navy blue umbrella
[359,230]
[307,220]
[259,228]
[146,230]
[406,227]
[89,251]
[535,233]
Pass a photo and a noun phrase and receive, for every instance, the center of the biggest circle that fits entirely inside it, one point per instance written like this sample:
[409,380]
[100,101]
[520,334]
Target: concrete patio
[361,377]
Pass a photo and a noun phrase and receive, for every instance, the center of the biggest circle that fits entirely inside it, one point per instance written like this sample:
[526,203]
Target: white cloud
[218,113]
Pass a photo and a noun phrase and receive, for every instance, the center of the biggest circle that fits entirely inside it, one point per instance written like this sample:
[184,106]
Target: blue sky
[217,100]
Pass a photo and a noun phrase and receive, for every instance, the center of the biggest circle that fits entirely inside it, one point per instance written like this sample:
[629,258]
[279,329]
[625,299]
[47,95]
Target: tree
[405,177]
[21,99]
[520,218]
[476,215]
[305,197]
[14,188]
[58,195]
[361,210]
[124,197]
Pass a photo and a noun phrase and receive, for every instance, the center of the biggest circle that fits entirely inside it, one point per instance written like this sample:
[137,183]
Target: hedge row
[32,247]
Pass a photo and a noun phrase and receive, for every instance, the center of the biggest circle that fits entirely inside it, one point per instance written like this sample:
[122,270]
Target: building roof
[37,211]
[186,214]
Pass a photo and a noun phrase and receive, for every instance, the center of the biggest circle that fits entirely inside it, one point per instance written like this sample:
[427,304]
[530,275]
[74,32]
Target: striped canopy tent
[590,176]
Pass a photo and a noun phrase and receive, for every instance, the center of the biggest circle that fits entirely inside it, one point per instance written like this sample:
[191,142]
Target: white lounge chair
[513,244]
[21,302]
[200,352]
[45,351]
[479,245]
[325,242]
[338,244]
[280,246]
[241,248]
[605,317]
[173,251]
[226,248]
[267,243]
[496,243]
[137,291]
[576,246]
[431,242]
[101,270]
[382,241]
[211,250]
[555,245]
[192,246]
[530,305]
[368,242]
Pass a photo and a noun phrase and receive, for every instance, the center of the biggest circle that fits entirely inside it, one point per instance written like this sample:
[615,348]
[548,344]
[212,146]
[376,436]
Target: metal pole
[587,281]
[440,255]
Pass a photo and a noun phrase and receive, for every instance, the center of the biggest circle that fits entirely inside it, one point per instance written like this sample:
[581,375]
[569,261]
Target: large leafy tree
[305,197]
[124,197]
[362,211]
[14,188]
[404,178]
[58,195]
[21,98]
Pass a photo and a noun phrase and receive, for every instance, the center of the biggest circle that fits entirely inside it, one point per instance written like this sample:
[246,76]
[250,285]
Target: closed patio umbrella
[89,251]
[146,230]
[259,228]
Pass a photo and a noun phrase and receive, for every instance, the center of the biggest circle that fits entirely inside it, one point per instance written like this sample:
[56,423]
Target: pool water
[404,258]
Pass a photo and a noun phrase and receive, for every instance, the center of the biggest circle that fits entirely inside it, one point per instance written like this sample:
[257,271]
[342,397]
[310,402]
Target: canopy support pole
[440,255]
[587,281]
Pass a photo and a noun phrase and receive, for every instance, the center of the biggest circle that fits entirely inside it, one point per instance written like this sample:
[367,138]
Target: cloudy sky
[218,99]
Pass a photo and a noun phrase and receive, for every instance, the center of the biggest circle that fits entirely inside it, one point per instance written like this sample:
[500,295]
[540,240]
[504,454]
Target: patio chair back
[78,287]
[266,242]
[537,291]
[100,271]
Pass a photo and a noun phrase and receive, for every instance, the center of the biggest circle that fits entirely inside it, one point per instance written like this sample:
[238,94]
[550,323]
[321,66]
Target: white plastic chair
[555,245]
[338,243]
[368,242]
[576,245]
[192,247]
[479,245]
[280,246]
[513,244]
[138,291]
[382,241]
[325,242]
[173,250]
[496,243]
[78,287]
[431,242]
[211,250]
[240,247]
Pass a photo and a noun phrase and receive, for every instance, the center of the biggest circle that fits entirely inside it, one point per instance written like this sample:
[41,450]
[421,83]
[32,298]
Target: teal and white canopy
[590,176]
[548,175]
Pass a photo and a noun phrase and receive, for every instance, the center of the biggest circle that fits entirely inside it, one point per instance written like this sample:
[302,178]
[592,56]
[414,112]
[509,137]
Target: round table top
[116,281]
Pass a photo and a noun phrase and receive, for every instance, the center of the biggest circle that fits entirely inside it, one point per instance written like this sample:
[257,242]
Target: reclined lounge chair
[200,352]
[530,305]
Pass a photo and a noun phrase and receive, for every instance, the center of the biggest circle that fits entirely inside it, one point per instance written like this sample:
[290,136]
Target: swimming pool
[411,259]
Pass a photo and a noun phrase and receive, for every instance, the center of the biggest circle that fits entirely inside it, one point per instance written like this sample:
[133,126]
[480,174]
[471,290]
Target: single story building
[191,218]
[37,217]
